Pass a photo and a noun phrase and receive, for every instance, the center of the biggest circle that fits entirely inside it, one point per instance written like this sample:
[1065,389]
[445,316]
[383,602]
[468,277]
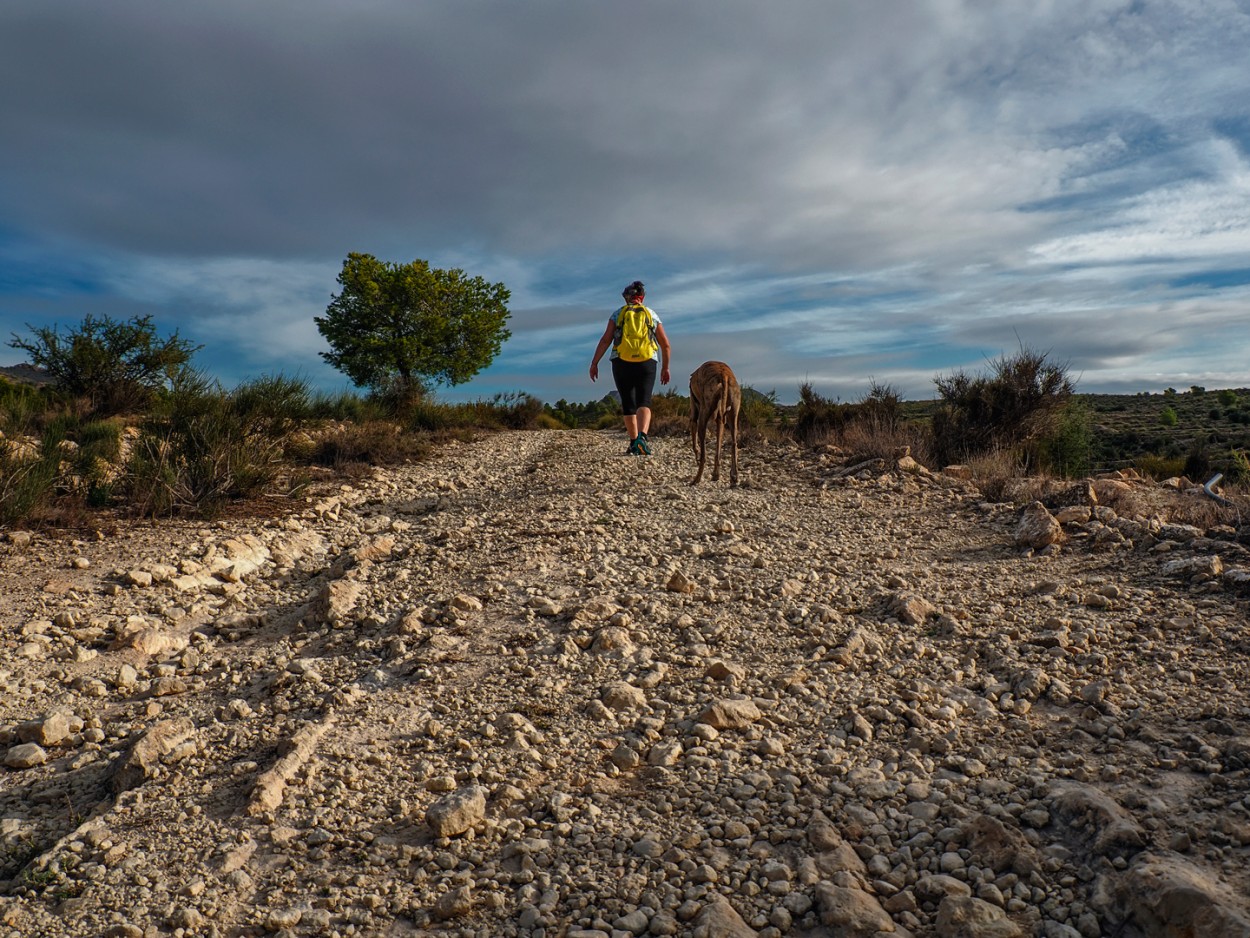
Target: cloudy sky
[833,192]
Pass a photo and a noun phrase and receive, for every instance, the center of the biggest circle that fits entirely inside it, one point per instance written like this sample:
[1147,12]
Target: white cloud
[1207,218]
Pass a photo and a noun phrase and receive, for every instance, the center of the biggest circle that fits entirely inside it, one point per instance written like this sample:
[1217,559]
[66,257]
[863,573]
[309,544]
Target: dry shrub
[518,411]
[818,420]
[351,446]
[999,476]
[1160,467]
[1174,506]
[1200,511]
[1020,401]
[670,416]
[1130,502]
[547,421]
[865,439]
[610,421]
[873,427]
[664,425]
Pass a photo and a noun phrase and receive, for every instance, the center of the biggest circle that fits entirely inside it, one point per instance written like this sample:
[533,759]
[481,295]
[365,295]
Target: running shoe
[634,448]
[644,445]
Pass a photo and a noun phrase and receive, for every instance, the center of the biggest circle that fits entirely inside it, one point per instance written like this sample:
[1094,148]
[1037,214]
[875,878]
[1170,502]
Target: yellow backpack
[635,333]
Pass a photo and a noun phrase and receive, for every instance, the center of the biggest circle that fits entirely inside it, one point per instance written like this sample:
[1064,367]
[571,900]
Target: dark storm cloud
[293,128]
[850,188]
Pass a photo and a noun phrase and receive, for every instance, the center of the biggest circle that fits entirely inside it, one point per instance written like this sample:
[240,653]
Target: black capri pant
[634,382]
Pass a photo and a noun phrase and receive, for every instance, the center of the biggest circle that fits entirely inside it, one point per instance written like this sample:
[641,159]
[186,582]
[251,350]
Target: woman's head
[634,292]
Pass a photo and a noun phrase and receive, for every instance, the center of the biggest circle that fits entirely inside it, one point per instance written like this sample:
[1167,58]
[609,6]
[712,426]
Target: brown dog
[714,395]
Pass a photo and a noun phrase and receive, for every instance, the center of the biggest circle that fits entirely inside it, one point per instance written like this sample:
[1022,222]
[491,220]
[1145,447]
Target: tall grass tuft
[202,446]
[21,406]
[96,463]
[28,478]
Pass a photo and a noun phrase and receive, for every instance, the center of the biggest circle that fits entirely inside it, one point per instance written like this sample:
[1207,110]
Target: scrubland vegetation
[126,426]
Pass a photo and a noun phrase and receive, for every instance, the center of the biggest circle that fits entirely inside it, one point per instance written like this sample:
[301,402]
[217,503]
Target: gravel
[531,687]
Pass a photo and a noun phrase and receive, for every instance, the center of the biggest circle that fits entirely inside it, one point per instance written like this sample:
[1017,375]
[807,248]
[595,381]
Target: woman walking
[638,342]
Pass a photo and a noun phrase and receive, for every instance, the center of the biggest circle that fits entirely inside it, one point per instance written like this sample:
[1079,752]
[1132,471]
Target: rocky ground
[532,687]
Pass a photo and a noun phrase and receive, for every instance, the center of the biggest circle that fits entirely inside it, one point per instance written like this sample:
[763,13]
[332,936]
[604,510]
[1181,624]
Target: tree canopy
[115,366]
[410,325]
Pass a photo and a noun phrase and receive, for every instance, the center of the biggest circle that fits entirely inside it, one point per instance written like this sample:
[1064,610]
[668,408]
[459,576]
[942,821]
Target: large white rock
[1037,527]
[458,812]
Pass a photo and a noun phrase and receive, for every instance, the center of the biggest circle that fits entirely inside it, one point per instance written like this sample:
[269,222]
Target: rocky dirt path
[535,688]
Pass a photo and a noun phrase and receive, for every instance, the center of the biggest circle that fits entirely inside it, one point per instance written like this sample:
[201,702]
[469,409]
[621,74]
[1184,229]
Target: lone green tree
[116,367]
[403,327]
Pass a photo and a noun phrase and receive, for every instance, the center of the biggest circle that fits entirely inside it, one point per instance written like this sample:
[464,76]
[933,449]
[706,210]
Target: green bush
[1228,397]
[759,413]
[1168,417]
[817,419]
[25,409]
[1067,451]
[1238,469]
[1019,402]
[115,367]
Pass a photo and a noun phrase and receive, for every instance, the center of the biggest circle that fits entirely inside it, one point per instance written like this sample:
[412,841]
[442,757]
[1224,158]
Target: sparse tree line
[128,424]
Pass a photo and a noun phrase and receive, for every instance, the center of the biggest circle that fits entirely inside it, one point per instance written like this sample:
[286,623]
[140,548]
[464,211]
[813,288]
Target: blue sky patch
[1214,279]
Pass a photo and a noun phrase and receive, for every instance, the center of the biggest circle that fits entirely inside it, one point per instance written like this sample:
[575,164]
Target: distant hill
[25,374]
[1173,424]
